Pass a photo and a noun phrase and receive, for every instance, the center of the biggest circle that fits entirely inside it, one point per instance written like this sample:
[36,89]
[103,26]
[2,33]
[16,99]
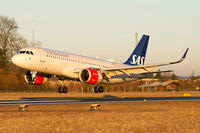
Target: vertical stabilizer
[139,53]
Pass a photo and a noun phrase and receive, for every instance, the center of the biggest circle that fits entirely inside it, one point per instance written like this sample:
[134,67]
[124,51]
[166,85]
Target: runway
[85,100]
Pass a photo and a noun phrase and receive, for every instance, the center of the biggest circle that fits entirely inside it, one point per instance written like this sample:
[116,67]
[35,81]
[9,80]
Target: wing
[146,69]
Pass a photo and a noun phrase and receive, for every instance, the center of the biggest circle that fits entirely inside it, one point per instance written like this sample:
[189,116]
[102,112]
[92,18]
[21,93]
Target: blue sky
[106,28]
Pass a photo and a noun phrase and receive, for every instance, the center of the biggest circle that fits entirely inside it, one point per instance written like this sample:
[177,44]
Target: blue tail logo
[139,53]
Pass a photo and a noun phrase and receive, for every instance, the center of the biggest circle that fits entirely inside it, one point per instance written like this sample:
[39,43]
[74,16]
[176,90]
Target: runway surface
[105,99]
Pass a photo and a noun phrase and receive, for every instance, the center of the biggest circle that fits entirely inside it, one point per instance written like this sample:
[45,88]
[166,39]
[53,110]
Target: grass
[18,96]
[158,117]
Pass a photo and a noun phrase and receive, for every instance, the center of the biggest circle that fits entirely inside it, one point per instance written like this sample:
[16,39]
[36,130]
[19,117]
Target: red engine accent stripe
[94,76]
[39,80]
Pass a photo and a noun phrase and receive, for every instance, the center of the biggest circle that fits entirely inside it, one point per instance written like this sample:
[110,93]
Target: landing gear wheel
[96,89]
[65,89]
[100,89]
[60,90]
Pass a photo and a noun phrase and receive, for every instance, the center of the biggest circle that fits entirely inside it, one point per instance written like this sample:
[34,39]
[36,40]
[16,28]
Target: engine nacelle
[90,76]
[35,78]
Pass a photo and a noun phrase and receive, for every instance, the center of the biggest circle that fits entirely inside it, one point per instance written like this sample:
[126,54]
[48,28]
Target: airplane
[42,63]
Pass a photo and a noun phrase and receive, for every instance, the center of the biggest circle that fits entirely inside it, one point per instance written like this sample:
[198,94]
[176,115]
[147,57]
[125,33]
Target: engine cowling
[35,78]
[90,76]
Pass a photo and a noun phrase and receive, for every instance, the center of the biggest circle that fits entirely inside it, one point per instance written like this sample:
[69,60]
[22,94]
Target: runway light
[23,107]
[187,94]
[94,107]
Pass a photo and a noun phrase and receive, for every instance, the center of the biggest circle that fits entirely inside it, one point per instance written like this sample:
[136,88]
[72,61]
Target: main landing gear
[62,88]
[98,89]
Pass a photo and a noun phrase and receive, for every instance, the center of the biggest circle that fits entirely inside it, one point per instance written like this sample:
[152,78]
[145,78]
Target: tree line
[11,41]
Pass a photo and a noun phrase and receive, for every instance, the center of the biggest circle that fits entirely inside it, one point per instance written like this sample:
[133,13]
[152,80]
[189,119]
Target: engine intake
[90,76]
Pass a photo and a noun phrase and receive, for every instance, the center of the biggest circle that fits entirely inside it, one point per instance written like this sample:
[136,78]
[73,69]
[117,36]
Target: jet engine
[90,76]
[34,78]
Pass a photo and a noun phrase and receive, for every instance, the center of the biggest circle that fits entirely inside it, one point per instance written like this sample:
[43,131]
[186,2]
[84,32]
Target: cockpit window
[25,52]
[22,52]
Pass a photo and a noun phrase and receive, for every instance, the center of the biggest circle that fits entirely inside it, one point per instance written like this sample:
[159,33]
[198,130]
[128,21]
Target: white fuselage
[61,63]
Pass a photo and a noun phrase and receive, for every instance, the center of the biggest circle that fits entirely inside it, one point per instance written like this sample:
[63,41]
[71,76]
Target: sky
[106,28]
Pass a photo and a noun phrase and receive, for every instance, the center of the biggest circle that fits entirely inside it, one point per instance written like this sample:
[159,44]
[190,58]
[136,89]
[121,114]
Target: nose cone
[15,60]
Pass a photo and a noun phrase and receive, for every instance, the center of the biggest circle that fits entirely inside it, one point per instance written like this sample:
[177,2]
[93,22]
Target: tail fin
[139,53]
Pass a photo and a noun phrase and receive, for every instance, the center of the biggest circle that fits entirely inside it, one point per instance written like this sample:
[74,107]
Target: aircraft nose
[15,59]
